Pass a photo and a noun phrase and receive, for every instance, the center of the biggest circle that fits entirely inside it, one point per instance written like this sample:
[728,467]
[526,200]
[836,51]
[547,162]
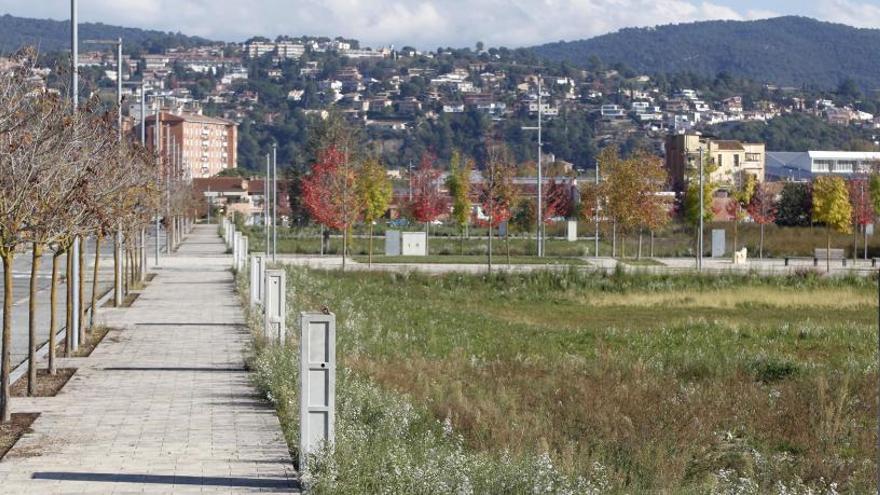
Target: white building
[808,164]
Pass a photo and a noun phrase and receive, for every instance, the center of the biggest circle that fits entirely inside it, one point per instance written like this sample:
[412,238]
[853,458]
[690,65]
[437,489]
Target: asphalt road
[21,269]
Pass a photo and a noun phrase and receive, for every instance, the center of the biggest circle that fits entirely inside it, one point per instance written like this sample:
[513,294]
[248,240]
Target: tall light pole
[157,131]
[275,202]
[700,240]
[74,94]
[266,200]
[540,212]
[596,237]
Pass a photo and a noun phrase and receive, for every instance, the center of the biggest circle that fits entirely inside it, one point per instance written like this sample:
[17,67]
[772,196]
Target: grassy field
[674,241]
[471,260]
[576,382]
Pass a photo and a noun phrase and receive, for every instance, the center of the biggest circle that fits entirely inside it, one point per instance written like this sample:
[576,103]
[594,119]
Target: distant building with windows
[733,160]
[805,165]
[206,145]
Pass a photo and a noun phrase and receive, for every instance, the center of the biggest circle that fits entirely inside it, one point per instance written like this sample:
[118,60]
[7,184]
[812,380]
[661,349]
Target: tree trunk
[461,234]
[6,360]
[614,239]
[639,255]
[68,329]
[855,243]
[93,307]
[865,251]
[344,244]
[370,256]
[117,279]
[735,227]
[490,244]
[36,257]
[81,290]
[507,243]
[828,249]
[427,246]
[53,303]
[761,243]
[622,247]
[652,243]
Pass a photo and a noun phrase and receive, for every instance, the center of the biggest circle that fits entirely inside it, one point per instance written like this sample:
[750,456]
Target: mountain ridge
[788,50]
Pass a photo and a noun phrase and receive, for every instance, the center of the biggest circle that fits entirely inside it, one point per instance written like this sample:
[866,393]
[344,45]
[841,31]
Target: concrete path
[163,405]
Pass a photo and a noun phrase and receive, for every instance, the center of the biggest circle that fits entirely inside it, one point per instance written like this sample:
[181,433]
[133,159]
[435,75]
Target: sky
[428,24]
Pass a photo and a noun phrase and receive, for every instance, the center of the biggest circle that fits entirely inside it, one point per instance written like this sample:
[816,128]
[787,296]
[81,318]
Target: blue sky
[432,23]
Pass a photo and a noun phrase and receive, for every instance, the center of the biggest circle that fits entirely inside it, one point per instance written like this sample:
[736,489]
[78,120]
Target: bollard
[257,269]
[317,378]
[275,306]
[786,261]
[844,262]
[234,247]
[815,261]
[873,262]
[242,252]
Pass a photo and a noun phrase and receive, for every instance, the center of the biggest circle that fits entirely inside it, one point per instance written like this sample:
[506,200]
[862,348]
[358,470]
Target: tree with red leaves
[427,202]
[496,192]
[862,210]
[329,193]
[762,209]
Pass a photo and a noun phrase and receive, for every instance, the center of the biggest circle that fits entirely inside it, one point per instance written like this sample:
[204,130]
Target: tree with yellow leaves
[831,207]
[375,191]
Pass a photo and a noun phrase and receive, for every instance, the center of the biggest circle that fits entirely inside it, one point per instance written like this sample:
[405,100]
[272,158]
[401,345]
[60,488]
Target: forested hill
[791,51]
[50,36]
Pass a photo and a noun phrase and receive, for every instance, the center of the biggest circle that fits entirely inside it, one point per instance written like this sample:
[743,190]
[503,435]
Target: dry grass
[667,381]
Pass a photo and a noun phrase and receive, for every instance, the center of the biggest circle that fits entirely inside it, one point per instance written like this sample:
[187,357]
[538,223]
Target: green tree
[831,207]
[375,190]
[691,203]
[875,192]
[459,185]
[795,205]
[741,194]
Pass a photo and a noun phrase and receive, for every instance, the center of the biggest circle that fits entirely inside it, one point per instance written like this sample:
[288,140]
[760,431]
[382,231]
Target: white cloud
[850,12]
[423,23]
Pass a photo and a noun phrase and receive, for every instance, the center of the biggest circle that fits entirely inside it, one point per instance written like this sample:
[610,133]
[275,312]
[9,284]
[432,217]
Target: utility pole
[158,140]
[540,212]
[274,202]
[700,240]
[74,268]
[266,200]
[596,238]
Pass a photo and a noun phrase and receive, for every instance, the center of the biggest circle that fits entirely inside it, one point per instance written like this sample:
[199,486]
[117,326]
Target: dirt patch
[127,301]
[93,338]
[47,385]
[12,431]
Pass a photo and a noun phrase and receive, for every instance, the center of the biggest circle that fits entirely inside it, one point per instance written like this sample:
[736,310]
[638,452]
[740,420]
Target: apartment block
[733,160]
[204,145]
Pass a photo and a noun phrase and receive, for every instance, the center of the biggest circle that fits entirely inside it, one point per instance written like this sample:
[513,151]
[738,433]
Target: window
[753,157]
[821,165]
[736,160]
[843,166]
[720,160]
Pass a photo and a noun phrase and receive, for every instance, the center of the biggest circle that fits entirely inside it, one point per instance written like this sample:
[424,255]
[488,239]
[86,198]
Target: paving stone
[164,406]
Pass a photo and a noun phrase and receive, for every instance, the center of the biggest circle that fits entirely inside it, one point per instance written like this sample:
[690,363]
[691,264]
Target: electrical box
[317,416]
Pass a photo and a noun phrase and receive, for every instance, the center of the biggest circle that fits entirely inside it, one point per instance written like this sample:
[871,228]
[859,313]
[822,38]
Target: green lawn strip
[641,262]
[471,260]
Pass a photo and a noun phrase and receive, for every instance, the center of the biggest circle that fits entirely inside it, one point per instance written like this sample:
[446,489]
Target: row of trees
[66,175]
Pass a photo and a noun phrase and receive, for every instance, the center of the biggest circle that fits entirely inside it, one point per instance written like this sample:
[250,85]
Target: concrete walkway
[163,405]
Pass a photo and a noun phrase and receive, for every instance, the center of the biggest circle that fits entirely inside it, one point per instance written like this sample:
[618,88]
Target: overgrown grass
[675,241]
[625,383]
[472,260]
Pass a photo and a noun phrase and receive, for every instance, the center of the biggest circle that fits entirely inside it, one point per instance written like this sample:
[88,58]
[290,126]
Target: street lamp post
[275,202]
[700,240]
[74,94]
[540,212]
[266,201]
[596,239]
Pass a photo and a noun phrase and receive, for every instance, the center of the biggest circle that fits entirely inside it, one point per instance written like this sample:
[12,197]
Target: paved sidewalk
[163,405]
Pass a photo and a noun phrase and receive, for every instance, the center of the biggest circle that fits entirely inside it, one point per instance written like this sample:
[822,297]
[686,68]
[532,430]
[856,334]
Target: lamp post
[275,202]
[700,240]
[540,212]
[266,200]
[73,293]
[596,239]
